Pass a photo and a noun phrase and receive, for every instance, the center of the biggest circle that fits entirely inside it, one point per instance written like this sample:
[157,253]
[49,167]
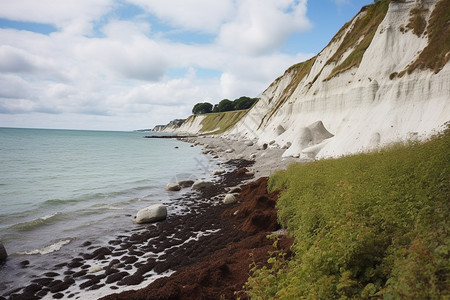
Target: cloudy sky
[133,64]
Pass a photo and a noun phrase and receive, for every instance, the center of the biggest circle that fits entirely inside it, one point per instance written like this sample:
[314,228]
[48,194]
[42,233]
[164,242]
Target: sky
[133,64]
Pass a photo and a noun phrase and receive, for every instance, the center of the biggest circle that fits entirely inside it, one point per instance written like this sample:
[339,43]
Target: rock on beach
[200,184]
[3,253]
[185,183]
[229,199]
[173,187]
[152,213]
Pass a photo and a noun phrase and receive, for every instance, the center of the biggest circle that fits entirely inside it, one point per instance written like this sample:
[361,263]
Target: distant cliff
[171,127]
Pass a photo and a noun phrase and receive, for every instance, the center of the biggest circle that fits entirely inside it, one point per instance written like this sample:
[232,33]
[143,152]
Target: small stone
[3,253]
[236,189]
[229,151]
[249,143]
[200,184]
[173,187]
[95,269]
[229,199]
[153,213]
[185,183]
[218,172]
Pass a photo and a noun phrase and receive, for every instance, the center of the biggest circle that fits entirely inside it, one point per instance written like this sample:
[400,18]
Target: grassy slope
[437,53]
[216,123]
[365,27]
[299,71]
[369,225]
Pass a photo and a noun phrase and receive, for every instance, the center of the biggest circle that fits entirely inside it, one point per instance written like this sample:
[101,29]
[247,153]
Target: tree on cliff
[244,102]
[226,105]
[202,108]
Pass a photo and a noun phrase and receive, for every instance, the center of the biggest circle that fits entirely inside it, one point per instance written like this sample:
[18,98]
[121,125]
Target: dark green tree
[244,102]
[202,108]
[225,105]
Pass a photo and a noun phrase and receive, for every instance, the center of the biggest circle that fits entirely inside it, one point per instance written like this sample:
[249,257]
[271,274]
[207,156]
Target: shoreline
[151,251]
[223,273]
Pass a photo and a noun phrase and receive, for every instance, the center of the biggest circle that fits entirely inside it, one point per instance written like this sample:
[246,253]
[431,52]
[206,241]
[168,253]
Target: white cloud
[123,74]
[263,25]
[201,15]
[73,16]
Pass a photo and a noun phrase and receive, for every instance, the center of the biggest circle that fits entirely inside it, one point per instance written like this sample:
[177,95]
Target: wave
[48,249]
[41,221]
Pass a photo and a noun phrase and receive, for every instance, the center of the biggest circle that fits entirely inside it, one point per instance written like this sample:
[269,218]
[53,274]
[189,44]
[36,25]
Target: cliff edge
[383,78]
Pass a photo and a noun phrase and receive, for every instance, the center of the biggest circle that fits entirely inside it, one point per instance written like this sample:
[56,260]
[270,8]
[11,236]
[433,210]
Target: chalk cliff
[383,78]
[374,84]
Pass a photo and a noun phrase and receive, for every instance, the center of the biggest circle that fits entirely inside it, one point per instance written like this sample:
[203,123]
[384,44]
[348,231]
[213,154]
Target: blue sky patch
[28,26]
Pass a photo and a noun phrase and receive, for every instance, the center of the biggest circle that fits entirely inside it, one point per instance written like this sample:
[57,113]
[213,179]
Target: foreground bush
[367,226]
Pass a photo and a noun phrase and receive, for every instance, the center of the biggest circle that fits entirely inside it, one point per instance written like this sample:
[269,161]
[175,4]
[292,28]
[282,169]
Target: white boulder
[200,184]
[173,187]
[95,269]
[152,213]
[218,172]
[229,199]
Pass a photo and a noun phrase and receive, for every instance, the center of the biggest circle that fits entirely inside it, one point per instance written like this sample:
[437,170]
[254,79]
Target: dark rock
[59,266]
[186,183]
[3,253]
[42,293]
[24,263]
[32,288]
[96,286]
[89,283]
[75,264]
[79,273]
[86,244]
[62,285]
[51,274]
[131,280]
[58,296]
[129,259]
[43,281]
[98,254]
[116,277]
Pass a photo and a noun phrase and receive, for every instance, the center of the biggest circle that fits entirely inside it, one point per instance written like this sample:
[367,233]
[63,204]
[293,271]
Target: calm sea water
[58,187]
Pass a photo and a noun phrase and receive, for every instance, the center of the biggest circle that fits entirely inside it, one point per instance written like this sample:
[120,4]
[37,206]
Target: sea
[61,188]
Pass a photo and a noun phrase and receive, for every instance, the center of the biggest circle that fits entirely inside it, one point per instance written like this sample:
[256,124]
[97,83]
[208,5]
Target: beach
[214,241]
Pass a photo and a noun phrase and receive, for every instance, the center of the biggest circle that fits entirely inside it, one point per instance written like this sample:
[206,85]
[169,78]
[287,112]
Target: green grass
[368,226]
[437,53]
[216,123]
[416,21]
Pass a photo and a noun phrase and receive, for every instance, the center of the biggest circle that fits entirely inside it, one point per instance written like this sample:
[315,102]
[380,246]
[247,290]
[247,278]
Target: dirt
[222,273]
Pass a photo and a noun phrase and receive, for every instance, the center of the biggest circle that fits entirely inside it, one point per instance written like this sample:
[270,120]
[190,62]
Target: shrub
[365,226]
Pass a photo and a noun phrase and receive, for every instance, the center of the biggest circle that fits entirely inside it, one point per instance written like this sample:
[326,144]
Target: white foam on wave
[48,249]
[41,221]
[49,216]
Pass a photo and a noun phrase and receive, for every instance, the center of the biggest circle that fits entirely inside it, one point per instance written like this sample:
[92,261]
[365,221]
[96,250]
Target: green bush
[202,108]
[372,225]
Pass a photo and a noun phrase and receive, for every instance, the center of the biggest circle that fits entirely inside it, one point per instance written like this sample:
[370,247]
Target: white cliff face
[193,125]
[360,109]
